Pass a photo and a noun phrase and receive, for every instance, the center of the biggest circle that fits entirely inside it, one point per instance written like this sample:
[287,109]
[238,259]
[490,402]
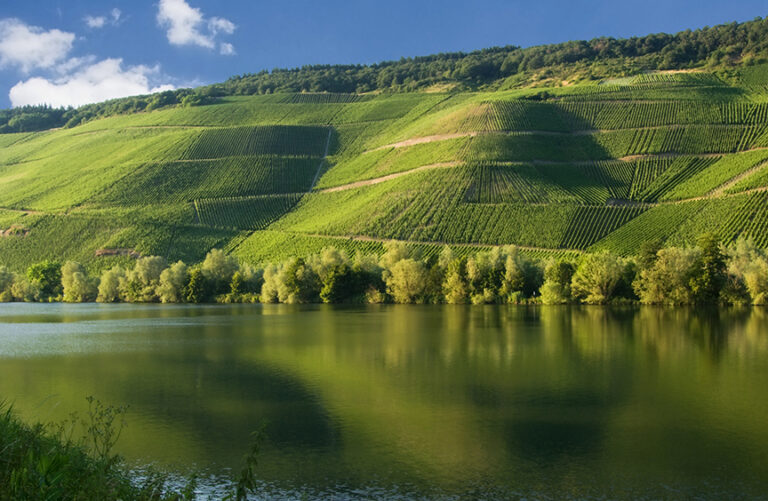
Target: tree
[756,280]
[218,269]
[339,284]
[668,280]
[406,281]
[6,282]
[455,286]
[300,283]
[46,276]
[141,282]
[198,290]
[78,288]
[173,280]
[710,274]
[109,286]
[557,282]
[648,254]
[595,280]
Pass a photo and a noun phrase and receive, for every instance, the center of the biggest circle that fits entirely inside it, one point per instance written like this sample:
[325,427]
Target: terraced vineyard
[582,168]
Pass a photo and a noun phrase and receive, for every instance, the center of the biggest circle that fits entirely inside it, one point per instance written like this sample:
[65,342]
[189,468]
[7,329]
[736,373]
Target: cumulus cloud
[93,83]
[30,47]
[186,25]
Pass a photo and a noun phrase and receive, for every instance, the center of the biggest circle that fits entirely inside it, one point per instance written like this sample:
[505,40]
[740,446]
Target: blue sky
[77,51]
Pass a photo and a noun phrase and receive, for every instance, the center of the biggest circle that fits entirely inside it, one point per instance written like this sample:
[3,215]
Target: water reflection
[536,401]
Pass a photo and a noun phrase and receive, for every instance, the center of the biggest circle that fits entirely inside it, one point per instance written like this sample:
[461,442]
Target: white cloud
[95,22]
[227,49]
[218,25]
[91,84]
[186,25]
[98,22]
[29,47]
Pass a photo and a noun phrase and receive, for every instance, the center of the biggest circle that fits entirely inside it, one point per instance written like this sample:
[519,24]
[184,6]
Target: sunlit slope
[554,170]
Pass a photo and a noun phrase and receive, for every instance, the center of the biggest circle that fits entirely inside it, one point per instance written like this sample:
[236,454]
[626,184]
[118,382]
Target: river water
[446,402]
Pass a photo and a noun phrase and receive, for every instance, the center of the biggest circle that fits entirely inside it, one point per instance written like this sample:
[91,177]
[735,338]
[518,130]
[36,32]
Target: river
[408,401]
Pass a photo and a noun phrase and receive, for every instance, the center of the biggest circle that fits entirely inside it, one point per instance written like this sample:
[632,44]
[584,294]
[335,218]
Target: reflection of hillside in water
[551,400]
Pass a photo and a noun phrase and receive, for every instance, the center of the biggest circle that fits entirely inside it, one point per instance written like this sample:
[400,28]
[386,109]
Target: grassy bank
[48,463]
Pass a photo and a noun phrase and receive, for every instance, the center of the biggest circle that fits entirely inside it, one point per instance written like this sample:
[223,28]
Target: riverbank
[709,274]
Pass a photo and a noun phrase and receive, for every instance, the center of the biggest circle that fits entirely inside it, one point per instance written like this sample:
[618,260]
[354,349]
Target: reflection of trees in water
[671,332]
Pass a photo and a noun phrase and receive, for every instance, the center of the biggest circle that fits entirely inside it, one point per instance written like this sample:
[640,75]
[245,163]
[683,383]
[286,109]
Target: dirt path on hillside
[24,211]
[388,177]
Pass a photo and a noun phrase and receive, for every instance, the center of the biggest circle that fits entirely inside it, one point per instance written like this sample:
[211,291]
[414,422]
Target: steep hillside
[555,170]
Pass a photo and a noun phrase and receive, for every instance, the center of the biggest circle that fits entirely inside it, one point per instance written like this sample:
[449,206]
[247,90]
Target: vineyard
[558,171]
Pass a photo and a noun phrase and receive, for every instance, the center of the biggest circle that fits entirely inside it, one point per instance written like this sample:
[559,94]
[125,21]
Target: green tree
[710,275]
[406,281]
[557,282]
[109,285]
[455,286]
[197,290]
[218,269]
[596,278]
[46,276]
[142,281]
[78,288]
[668,280]
[170,287]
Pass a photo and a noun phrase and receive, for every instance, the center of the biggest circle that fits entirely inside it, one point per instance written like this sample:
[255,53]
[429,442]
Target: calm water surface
[439,402]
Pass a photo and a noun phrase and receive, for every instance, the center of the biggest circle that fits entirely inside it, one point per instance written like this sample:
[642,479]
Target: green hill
[563,169]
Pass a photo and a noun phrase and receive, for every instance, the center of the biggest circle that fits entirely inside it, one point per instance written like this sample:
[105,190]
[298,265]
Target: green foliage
[173,280]
[597,277]
[668,278]
[406,281]
[710,276]
[46,276]
[109,285]
[38,462]
[556,288]
[198,288]
[77,286]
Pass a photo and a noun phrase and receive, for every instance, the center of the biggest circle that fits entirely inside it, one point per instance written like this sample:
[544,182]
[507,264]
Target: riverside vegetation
[705,274]
[49,461]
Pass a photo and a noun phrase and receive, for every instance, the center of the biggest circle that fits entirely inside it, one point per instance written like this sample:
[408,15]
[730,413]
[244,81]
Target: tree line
[37,118]
[716,48]
[708,273]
